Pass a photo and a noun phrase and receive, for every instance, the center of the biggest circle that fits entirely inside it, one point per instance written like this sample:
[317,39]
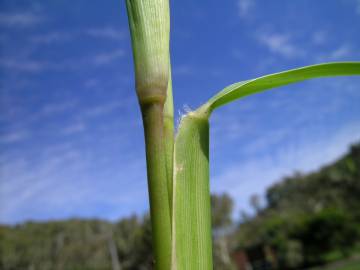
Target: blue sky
[70,131]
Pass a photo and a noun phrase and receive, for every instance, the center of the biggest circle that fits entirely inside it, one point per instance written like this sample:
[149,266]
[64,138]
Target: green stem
[169,149]
[149,27]
[169,137]
[157,183]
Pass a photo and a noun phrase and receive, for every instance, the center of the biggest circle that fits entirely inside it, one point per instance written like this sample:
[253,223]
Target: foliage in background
[308,219]
[309,216]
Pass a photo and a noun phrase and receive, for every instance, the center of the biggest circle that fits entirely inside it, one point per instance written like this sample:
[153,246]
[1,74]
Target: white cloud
[22,119]
[341,52]
[54,108]
[27,181]
[103,109]
[57,36]
[24,65]
[271,138]
[14,136]
[108,57]
[319,37]
[303,144]
[51,37]
[106,32]
[280,44]
[74,128]
[256,174]
[244,7]
[20,19]
[37,66]
[62,181]
[183,70]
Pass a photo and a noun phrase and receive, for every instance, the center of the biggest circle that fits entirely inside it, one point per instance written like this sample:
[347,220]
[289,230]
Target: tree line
[305,220]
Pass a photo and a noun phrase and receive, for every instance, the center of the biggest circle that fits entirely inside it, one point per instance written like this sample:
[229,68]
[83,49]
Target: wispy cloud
[20,19]
[253,176]
[109,33]
[59,107]
[23,65]
[51,37]
[29,65]
[103,109]
[106,32]
[271,139]
[74,128]
[45,176]
[183,70]
[43,114]
[14,136]
[61,181]
[245,7]
[303,144]
[341,52]
[108,57]
[319,37]
[280,44]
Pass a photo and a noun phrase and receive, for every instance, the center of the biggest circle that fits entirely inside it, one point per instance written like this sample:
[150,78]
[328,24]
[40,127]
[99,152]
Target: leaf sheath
[192,243]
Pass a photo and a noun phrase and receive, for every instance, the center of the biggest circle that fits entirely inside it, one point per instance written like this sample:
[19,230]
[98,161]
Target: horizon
[70,128]
[235,217]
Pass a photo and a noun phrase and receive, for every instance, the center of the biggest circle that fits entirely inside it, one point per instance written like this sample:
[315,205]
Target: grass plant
[178,169]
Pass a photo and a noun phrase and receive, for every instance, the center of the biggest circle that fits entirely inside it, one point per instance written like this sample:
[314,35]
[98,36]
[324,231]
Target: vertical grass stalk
[149,26]
[157,184]
[178,171]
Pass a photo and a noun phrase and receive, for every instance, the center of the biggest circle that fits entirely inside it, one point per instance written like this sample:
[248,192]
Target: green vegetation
[77,244]
[352,264]
[178,170]
[306,217]
[308,220]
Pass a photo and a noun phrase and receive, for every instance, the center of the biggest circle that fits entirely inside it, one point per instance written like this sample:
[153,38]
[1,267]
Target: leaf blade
[260,84]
